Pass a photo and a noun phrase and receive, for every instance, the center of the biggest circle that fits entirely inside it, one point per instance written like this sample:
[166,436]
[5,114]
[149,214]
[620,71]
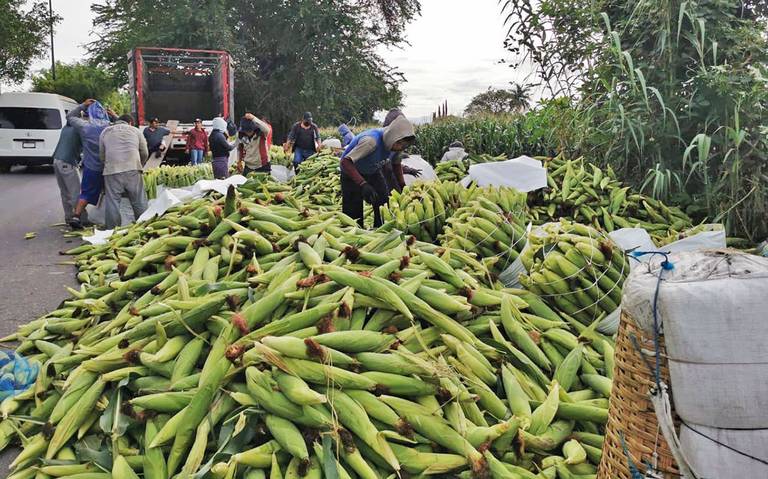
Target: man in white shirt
[123,151]
[455,152]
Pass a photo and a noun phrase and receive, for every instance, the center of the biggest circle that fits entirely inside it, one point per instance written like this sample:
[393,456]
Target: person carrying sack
[89,119]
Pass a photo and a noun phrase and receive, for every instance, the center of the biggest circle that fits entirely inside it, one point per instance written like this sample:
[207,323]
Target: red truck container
[180,84]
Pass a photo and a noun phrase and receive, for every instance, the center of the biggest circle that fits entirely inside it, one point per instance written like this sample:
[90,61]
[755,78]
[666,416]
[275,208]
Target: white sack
[523,173]
[98,236]
[281,173]
[713,461]
[638,239]
[510,277]
[712,306]
[169,197]
[417,162]
[333,143]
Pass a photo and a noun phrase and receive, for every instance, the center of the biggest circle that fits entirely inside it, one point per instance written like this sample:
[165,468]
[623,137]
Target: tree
[290,57]
[78,81]
[672,94]
[496,101]
[23,37]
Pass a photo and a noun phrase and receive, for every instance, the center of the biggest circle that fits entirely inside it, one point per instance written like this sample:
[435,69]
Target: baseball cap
[247,125]
[308,116]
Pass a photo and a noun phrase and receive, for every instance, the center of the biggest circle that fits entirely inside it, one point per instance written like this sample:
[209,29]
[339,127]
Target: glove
[369,193]
[411,171]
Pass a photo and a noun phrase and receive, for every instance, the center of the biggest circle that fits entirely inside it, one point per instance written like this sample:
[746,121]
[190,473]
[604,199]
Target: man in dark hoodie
[361,167]
[220,148]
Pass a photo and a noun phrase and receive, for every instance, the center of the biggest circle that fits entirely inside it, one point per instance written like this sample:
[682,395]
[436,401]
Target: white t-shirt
[455,153]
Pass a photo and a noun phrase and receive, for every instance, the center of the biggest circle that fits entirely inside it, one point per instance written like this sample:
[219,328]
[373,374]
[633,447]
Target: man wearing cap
[154,135]
[362,166]
[197,143]
[253,154]
[304,138]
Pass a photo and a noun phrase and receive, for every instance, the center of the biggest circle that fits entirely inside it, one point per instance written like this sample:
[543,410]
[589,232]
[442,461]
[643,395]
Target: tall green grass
[534,133]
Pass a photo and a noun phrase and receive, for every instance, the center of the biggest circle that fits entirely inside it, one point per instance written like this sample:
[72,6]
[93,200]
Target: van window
[30,118]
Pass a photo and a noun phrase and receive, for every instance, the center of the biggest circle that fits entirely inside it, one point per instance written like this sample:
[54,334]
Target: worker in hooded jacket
[362,163]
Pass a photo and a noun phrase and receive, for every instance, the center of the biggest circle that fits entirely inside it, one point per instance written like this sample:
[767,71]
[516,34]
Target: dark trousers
[389,176]
[220,167]
[352,197]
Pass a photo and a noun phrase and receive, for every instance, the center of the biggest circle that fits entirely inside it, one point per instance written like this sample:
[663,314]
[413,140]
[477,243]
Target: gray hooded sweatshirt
[399,129]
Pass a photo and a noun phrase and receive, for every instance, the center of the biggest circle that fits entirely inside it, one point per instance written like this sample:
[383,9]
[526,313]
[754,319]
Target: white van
[30,125]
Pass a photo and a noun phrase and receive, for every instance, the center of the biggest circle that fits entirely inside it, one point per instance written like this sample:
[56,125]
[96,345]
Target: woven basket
[631,413]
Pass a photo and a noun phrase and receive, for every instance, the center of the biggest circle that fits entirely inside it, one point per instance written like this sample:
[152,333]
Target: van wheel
[4,168]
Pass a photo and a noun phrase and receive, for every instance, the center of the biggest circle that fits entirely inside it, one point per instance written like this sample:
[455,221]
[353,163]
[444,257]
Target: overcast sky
[454,51]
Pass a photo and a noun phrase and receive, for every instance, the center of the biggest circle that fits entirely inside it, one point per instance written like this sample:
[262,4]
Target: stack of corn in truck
[261,334]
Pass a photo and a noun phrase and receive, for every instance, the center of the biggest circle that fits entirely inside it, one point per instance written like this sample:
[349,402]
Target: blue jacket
[346,135]
[68,148]
[89,131]
[374,161]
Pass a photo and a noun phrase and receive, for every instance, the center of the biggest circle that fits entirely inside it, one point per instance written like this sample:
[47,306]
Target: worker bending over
[361,167]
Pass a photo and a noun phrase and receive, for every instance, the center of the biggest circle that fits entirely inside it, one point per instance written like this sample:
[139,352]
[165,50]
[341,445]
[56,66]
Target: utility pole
[53,56]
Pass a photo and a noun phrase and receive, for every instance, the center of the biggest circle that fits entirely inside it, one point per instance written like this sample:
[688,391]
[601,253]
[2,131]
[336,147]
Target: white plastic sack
[281,173]
[96,214]
[712,306]
[98,236]
[637,239]
[712,239]
[453,154]
[610,324]
[333,143]
[417,162]
[713,461]
[633,239]
[169,197]
[522,173]
[510,277]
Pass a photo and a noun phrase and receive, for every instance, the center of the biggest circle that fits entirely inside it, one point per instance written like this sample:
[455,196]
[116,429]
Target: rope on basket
[659,393]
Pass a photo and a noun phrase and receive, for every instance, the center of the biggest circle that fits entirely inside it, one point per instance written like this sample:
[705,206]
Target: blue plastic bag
[16,374]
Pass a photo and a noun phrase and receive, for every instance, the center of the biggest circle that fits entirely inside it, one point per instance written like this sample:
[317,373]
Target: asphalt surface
[31,278]
[30,275]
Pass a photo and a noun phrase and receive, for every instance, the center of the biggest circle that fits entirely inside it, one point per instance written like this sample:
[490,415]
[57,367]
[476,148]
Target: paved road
[31,280]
